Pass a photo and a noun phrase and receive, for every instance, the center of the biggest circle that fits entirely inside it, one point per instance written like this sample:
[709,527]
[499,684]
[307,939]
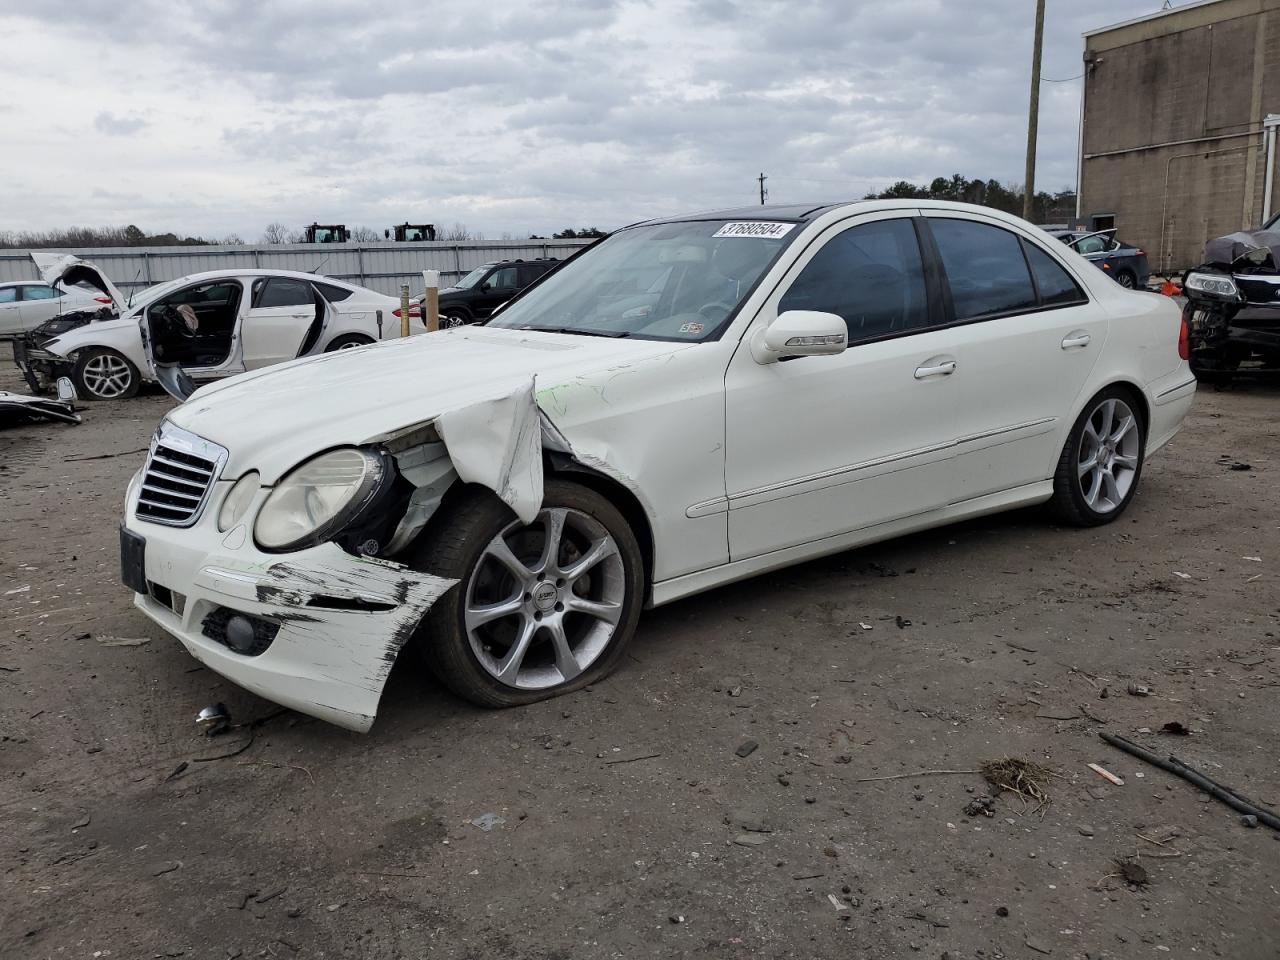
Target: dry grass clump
[1025,778]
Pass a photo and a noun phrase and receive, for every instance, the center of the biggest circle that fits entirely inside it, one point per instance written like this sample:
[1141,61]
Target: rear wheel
[539,609]
[1126,279]
[102,374]
[348,341]
[454,318]
[1101,463]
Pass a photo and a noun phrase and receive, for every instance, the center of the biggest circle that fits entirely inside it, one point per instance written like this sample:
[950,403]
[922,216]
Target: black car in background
[1123,262]
[488,287]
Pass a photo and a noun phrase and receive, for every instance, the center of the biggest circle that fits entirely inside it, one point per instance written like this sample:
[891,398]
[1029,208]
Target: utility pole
[1033,118]
[763,193]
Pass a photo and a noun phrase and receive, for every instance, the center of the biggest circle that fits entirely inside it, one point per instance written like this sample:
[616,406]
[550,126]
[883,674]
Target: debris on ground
[488,821]
[1139,690]
[902,622]
[1026,778]
[1132,872]
[1106,774]
[107,641]
[214,720]
[1227,795]
[980,806]
[1175,729]
[746,748]
[16,408]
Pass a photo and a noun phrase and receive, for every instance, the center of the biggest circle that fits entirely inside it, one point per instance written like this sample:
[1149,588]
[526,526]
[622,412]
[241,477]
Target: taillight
[1140,253]
[103,299]
[1184,339]
[414,311]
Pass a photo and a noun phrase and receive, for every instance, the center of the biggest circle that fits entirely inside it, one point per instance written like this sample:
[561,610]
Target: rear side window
[1054,283]
[872,275]
[333,293]
[37,292]
[985,268]
[8,294]
[284,292]
[531,272]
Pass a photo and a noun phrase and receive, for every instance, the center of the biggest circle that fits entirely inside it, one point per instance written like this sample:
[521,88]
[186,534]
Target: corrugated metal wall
[378,266]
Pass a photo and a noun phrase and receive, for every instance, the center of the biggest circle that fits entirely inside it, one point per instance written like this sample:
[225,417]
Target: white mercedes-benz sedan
[686,403]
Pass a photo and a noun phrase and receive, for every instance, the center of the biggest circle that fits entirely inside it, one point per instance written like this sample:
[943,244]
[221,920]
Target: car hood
[90,333]
[1249,252]
[64,270]
[270,420]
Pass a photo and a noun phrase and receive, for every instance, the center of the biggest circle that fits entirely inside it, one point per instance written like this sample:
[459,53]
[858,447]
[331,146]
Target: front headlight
[1213,285]
[237,501]
[318,499]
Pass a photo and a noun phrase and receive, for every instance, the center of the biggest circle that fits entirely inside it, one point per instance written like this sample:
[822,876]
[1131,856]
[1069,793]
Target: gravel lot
[625,824]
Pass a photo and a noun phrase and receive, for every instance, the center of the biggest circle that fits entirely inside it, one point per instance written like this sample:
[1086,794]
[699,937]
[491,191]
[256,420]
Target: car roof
[260,272]
[798,212]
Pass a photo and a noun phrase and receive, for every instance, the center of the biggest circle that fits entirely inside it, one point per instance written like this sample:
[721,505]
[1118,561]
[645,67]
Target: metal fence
[378,266]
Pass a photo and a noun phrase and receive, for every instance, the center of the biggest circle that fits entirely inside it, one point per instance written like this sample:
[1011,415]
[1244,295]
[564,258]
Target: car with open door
[213,324]
[686,403]
[1123,262]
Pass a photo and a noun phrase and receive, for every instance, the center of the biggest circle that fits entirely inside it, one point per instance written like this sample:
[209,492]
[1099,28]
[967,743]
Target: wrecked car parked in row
[687,403]
[223,322]
[1233,305]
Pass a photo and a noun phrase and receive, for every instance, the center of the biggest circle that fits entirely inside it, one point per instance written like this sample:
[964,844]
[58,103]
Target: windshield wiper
[612,334]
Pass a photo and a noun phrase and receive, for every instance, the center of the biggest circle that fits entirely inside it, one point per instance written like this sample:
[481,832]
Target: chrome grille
[180,473]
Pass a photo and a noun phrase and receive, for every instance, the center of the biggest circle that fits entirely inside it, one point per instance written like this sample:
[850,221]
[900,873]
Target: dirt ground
[624,822]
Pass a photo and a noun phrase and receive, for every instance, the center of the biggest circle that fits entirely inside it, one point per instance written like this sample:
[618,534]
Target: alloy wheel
[107,376]
[1107,461]
[543,600]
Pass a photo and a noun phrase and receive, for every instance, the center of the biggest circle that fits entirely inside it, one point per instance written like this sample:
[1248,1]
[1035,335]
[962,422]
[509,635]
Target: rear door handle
[1075,339]
[944,369]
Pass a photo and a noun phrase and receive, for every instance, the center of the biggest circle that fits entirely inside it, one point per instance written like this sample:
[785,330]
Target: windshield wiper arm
[586,332]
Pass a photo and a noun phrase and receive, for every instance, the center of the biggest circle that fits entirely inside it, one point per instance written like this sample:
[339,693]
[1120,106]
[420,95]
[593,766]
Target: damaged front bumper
[40,368]
[317,630]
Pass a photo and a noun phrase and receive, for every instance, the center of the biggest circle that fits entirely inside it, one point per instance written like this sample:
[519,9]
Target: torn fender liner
[343,621]
[498,443]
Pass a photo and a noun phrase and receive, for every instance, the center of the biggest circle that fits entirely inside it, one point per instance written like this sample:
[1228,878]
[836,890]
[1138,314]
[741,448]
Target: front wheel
[1101,463]
[102,374]
[540,609]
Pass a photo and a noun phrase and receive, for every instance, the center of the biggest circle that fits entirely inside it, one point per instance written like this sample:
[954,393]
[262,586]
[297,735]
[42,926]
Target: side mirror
[800,333]
[486,287]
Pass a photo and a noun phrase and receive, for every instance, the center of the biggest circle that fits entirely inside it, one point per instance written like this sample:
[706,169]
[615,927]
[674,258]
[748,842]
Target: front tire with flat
[539,609]
[1101,462]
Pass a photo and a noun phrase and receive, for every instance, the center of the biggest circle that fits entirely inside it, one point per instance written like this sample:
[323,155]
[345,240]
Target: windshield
[141,298]
[472,278]
[666,281]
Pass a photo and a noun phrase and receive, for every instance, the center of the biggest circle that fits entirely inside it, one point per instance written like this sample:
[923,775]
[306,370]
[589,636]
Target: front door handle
[1077,338]
[944,369]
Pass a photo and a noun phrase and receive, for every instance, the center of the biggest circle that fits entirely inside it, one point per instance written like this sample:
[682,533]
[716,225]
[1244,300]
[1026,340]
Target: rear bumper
[1171,400]
[341,620]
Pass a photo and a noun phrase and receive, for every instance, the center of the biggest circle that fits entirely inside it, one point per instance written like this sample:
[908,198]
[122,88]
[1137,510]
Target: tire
[103,374]
[454,318]
[1110,434]
[348,341]
[1127,280]
[486,663]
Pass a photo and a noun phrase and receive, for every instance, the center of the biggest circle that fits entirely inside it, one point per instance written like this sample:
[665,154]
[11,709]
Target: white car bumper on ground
[326,626]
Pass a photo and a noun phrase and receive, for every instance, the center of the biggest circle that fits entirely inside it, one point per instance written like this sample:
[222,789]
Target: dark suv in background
[488,287]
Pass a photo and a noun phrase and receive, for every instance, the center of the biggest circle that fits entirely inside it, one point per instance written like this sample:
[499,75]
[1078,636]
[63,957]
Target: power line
[1063,80]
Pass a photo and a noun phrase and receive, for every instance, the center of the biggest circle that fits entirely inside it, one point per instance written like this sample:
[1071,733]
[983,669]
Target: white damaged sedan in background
[686,403]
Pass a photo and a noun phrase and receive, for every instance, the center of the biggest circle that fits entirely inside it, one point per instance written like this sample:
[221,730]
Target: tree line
[1046,207]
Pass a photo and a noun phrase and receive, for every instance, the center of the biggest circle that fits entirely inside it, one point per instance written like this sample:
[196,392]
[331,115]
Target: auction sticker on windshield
[755,229]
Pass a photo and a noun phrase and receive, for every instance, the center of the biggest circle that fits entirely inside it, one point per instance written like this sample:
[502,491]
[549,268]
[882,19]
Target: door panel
[39,303]
[10,311]
[502,287]
[275,326]
[1022,373]
[820,446]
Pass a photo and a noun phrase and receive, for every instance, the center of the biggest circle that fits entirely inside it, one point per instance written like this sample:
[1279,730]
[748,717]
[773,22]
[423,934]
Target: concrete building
[1178,126]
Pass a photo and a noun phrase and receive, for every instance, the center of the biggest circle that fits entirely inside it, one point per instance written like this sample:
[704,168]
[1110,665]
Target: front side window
[39,292]
[871,275]
[1093,244]
[284,292]
[678,281]
[985,268]
[503,279]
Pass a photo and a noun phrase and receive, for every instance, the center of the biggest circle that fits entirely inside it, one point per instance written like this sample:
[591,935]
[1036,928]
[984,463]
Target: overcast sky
[221,116]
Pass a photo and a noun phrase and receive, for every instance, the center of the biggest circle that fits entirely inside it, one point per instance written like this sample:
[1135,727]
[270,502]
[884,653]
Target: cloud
[512,117]
[117,126]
